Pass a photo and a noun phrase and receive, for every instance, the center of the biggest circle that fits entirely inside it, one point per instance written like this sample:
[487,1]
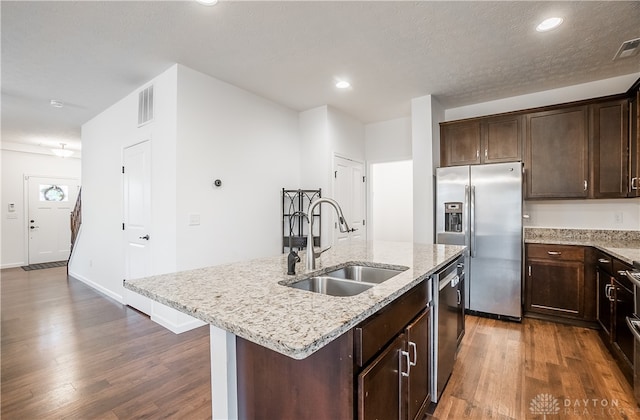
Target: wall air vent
[145,106]
[628,49]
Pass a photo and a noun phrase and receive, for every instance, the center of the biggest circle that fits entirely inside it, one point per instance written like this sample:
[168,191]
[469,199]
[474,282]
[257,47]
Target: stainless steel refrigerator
[480,206]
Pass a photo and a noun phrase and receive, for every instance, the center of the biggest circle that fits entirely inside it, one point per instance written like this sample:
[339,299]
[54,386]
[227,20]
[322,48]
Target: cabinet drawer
[371,336]
[555,252]
[604,262]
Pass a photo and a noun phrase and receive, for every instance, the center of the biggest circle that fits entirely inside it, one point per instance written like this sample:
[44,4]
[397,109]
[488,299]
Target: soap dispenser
[292,259]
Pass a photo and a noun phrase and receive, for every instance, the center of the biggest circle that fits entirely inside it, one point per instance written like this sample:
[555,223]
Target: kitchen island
[250,301]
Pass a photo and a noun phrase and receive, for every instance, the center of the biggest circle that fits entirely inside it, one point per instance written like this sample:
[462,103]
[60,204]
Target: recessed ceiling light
[208,2]
[343,84]
[549,24]
[56,103]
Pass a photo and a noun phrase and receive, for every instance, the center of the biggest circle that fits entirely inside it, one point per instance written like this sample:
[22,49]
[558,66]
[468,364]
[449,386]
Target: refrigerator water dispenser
[453,217]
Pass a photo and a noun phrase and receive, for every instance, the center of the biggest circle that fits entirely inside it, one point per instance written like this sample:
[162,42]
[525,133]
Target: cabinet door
[556,160]
[634,145]
[555,288]
[460,143]
[418,382]
[502,139]
[380,384]
[605,308]
[609,129]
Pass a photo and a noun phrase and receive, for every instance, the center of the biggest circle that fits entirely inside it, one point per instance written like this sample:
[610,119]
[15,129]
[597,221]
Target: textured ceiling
[91,54]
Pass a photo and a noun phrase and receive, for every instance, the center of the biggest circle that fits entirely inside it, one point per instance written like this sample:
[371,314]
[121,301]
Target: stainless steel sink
[361,273]
[346,281]
[331,286]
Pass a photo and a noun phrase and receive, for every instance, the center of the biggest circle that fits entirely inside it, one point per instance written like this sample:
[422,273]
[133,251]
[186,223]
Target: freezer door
[495,281]
[450,188]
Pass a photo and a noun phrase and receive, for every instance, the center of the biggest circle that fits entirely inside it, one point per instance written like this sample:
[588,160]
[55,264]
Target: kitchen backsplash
[631,237]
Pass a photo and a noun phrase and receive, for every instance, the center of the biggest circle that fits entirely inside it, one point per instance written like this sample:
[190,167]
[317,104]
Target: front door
[349,188]
[137,209]
[50,201]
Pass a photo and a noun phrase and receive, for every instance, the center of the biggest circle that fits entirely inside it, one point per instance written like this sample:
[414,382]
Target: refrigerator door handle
[472,215]
[467,239]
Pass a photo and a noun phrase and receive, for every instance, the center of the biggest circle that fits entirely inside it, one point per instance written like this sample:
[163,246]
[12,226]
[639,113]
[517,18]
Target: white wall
[618,214]
[577,214]
[15,165]
[388,141]
[392,201]
[426,114]
[252,146]
[572,93]
[99,255]
[326,132]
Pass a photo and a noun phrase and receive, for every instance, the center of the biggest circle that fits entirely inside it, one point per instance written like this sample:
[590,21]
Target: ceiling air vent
[628,49]
[145,106]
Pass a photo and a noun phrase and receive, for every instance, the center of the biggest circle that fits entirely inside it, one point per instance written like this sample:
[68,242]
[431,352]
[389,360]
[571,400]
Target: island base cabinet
[274,386]
[381,383]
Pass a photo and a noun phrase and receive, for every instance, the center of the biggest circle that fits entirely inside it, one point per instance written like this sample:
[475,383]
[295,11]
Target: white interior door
[349,189]
[50,203]
[137,210]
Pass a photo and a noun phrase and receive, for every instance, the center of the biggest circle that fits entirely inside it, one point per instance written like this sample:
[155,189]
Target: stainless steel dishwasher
[447,300]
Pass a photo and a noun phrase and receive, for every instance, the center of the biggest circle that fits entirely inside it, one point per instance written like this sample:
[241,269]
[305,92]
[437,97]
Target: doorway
[392,201]
[49,202]
[136,178]
[349,192]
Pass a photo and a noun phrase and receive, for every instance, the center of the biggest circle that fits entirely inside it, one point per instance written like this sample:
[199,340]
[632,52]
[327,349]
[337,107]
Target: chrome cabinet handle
[622,272]
[477,153]
[414,349]
[405,354]
[145,237]
[486,153]
[459,297]
[554,252]
[604,261]
[634,183]
[585,185]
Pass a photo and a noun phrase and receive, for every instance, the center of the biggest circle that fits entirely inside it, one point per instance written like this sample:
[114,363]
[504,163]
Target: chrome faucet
[342,223]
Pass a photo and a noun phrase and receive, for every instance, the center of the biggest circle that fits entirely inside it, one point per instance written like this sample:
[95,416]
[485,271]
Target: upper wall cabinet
[556,153]
[634,144]
[460,143]
[609,140]
[484,140]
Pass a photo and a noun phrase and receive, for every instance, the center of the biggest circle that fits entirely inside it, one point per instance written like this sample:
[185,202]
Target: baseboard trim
[177,328]
[12,265]
[98,287]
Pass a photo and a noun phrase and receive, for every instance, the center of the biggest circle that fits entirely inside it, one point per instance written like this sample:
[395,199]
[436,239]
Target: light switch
[12,207]
[194,219]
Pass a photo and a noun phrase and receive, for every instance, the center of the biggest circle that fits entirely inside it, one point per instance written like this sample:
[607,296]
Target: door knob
[145,237]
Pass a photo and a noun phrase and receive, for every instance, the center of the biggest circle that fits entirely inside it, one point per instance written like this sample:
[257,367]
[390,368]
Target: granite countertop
[624,245]
[248,298]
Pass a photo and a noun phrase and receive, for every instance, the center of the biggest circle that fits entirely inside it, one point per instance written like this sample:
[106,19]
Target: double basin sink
[347,281]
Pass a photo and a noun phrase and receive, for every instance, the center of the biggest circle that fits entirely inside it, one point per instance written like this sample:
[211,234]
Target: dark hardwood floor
[503,367]
[69,352]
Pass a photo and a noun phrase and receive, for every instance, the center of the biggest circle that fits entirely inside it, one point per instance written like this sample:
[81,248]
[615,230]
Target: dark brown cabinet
[479,141]
[502,139]
[615,302]
[396,382]
[380,384]
[634,143]
[418,391]
[555,281]
[556,153]
[460,143]
[609,139]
